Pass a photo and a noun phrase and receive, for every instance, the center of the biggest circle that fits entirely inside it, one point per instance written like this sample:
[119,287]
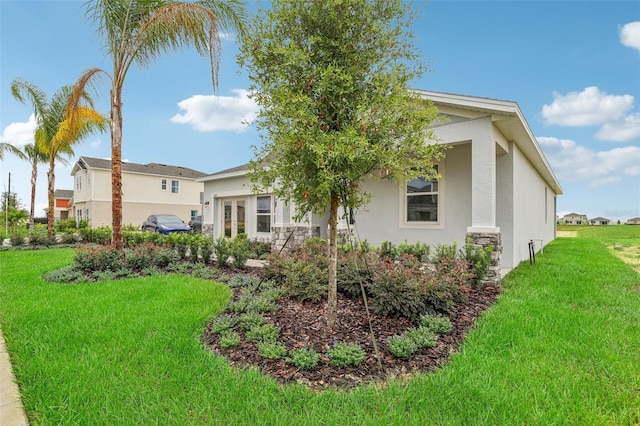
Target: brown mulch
[304,325]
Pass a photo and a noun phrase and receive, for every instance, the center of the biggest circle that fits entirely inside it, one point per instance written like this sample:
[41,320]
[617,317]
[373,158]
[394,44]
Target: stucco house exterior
[600,221]
[575,219]
[633,221]
[62,208]
[496,188]
[146,189]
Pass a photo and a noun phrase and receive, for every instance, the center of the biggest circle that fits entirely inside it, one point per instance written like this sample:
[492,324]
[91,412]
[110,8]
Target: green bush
[258,249]
[479,260]
[206,249]
[239,251]
[262,333]
[436,323]
[66,225]
[180,242]
[423,337]
[100,258]
[222,250]
[402,346]
[100,235]
[17,239]
[37,239]
[249,320]
[66,274]
[345,354]
[223,323]
[304,359]
[69,238]
[229,339]
[271,350]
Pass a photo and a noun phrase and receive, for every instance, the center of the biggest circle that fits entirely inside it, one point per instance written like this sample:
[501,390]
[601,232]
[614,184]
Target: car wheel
[149,229]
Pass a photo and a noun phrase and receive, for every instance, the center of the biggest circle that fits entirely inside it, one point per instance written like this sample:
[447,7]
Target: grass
[561,346]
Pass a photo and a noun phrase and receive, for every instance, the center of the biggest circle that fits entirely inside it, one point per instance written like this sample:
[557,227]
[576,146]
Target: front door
[234,217]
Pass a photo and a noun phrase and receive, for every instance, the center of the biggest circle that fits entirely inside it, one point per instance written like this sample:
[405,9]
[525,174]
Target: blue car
[165,224]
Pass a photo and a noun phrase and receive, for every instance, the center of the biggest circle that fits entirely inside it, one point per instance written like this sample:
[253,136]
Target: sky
[573,67]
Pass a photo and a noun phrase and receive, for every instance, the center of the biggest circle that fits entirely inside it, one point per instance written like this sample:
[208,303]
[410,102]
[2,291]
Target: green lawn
[561,346]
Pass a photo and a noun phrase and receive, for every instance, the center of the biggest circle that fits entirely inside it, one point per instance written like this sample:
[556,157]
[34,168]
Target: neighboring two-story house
[62,204]
[146,189]
[575,219]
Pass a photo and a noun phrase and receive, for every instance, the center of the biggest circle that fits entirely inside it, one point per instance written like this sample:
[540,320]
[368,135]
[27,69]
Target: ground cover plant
[560,346]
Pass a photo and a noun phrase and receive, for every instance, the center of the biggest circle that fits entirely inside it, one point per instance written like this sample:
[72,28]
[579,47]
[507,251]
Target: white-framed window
[163,184]
[263,213]
[194,213]
[175,186]
[421,203]
[86,214]
[79,183]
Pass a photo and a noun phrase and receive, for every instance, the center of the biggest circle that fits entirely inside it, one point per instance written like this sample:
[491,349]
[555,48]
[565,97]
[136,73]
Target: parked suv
[196,224]
[165,224]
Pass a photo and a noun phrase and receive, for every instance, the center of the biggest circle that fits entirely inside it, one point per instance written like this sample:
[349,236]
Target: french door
[234,216]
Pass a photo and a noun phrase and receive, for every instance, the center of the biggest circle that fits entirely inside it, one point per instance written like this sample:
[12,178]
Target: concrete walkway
[11,410]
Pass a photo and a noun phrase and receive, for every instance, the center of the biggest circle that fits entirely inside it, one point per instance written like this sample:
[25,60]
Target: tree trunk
[116,167]
[332,298]
[51,175]
[34,180]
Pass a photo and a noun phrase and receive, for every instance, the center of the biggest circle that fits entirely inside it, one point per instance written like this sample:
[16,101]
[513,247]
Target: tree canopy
[332,79]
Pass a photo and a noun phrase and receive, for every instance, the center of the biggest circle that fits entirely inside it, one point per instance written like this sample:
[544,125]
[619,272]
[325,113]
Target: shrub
[239,251]
[206,249]
[180,242]
[17,240]
[140,256]
[436,323]
[402,346]
[69,238]
[418,250]
[479,260]
[345,354]
[229,339]
[66,225]
[271,350]
[243,280]
[423,337]
[100,235]
[258,249]
[353,272]
[163,256]
[221,248]
[202,271]
[250,320]
[101,258]
[108,275]
[304,359]
[194,247]
[262,333]
[223,323]
[66,274]
[37,239]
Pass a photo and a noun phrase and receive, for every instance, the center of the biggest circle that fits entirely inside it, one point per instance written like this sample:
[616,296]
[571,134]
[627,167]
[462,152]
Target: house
[496,188]
[62,204]
[146,189]
[600,221]
[634,221]
[575,219]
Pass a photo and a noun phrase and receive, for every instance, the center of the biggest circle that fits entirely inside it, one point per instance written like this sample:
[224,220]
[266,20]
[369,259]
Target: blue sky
[572,66]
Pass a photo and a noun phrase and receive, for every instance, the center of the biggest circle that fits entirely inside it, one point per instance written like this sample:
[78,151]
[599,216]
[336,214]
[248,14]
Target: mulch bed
[304,325]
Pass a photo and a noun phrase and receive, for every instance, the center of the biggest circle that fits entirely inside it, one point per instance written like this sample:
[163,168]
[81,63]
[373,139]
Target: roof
[509,119]
[63,193]
[226,173]
[574,214]
[149,169]
[600,219]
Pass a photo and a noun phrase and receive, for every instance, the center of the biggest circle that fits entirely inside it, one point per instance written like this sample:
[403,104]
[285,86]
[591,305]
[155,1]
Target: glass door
[234,217]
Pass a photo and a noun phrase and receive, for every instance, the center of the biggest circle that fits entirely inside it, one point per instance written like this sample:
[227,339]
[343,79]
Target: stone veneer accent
[280,234]
[485,239]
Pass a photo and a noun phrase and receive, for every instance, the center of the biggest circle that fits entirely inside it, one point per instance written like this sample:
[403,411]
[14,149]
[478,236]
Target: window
[86,214]
[263,213]
[163,185]
[79,182]
[194,213]
[175,186]
[421,203]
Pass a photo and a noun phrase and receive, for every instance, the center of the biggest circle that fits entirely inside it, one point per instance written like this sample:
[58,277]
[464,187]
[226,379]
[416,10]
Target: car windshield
[167,218]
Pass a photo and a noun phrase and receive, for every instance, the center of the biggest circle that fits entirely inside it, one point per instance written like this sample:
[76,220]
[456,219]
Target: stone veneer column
[280,234]
[486,239]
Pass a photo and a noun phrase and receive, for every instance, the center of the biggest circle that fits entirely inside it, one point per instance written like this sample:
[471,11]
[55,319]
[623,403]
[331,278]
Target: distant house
[575,219]
[634,221]
[496,187]
[146,189]
[62,204]
[599,221]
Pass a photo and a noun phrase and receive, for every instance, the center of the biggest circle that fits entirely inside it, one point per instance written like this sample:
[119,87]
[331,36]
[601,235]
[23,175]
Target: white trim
[404,224]
[484,229]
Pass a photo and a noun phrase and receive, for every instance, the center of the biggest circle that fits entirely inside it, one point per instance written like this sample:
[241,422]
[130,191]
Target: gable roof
[149,169]
[226,173]
[63,193]
[600,219]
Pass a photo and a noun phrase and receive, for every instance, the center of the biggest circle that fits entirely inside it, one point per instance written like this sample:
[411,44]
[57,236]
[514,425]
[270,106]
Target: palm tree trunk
[332,297]
[51,175]
[116,167]
[34,180]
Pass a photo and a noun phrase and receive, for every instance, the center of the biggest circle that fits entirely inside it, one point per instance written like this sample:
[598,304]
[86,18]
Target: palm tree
[59,126]
[7,147]
[35,157]
[139,32]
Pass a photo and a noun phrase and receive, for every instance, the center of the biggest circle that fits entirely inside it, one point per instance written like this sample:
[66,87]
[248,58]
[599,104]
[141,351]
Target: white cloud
[21,133]
[218,113]
[575,162]
[587,108]
[622,130]
[630,35]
